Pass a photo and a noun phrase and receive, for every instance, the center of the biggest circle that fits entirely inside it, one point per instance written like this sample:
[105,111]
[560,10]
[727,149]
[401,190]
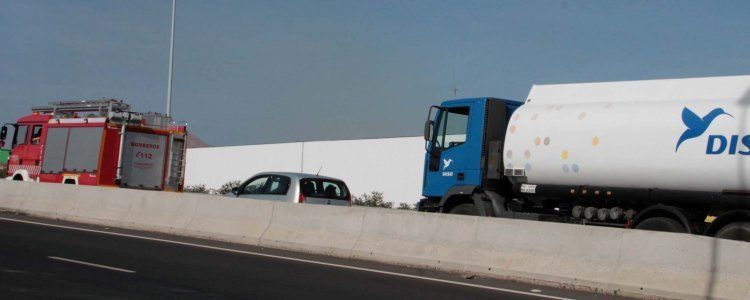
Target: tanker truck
[668,155]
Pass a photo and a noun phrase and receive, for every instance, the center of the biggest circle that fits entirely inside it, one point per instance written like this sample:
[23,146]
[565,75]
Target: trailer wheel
[661,224]
[738,231]
[467,209]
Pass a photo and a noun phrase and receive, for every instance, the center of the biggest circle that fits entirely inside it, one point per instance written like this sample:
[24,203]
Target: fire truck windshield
[19,136]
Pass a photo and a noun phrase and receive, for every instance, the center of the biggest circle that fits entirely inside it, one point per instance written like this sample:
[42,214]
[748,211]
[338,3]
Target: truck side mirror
[235,190]
[3,133]
[427,129]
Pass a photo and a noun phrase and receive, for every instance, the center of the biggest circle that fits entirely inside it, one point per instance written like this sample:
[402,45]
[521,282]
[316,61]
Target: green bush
[198,188]
[227,187]
[406,206]
[374,199]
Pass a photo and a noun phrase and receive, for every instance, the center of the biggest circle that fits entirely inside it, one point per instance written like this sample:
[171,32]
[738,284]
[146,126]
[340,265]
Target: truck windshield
[451,127]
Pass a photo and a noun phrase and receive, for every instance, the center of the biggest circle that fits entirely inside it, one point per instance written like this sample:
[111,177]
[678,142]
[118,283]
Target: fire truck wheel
[18,177]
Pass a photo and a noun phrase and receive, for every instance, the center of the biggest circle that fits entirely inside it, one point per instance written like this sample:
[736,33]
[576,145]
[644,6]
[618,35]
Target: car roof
[298,176]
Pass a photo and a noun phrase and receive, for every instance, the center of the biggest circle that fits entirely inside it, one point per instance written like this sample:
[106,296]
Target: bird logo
[696,125]
[447,162]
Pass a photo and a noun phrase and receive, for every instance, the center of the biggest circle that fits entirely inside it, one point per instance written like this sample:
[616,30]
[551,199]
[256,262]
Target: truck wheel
[661,224]
[738,231]
[467,209]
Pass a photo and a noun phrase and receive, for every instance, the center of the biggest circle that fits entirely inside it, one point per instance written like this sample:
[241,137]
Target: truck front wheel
[467,209]
[661,224]
[739,231]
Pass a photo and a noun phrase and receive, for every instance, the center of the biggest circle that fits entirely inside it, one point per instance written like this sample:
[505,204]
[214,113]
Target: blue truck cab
[464,144]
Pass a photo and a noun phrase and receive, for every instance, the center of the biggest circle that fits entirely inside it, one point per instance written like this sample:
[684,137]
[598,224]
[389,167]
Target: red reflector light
[301,198]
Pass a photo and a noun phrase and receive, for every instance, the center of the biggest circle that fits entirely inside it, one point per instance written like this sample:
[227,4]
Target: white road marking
[320,263]
[90,264]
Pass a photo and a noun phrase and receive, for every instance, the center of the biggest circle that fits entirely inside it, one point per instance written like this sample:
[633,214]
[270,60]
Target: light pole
[171,53]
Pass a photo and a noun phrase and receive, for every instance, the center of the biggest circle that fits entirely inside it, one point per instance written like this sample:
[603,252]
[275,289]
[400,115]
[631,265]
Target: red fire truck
[97,142]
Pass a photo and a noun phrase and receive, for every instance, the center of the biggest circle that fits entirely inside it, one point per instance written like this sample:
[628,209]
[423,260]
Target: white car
[294,188]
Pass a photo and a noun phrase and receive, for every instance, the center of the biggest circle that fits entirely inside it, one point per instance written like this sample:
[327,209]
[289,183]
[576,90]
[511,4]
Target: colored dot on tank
[527,154]
[512,128]
[546,141]
[564,154]
[537,141]
[527,167]
[575,168]
[565,168]
[582,116]
[595,142]
[509,154]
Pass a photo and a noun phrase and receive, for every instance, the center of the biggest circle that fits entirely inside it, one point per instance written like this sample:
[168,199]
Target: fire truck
[97,142]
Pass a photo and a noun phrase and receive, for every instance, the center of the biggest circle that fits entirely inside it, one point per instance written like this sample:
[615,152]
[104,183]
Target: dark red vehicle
[97,142]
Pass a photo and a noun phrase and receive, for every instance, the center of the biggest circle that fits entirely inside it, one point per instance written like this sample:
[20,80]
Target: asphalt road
[51,259]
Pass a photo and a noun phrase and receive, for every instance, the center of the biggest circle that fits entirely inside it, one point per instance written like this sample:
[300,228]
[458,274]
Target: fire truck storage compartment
[73,149]
[143,158]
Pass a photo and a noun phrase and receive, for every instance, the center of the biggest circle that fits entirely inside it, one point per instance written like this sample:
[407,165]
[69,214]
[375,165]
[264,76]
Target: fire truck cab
[97,142]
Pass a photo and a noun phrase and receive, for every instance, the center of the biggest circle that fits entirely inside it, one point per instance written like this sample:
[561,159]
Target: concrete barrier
[232,221]
[314,228]
[609,260]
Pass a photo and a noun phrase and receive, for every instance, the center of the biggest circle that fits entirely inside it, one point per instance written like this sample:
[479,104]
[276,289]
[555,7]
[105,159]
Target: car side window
[324,188]
[332,190]
[256,186]
[36,134]
[278,185]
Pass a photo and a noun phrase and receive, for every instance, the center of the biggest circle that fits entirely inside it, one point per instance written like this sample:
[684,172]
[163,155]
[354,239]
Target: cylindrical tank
[683,134]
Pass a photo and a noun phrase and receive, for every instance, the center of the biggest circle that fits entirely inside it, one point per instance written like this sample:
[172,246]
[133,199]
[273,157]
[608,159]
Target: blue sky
[250,72]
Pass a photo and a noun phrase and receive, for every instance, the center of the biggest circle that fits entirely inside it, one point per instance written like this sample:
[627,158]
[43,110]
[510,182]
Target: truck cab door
[27,147]
[449,160]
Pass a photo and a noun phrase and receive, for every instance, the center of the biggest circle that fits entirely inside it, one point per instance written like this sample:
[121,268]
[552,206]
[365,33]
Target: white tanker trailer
[669,155]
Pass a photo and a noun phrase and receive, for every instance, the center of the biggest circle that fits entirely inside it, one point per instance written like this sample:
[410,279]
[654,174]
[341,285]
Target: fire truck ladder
[103,107]
[177,163]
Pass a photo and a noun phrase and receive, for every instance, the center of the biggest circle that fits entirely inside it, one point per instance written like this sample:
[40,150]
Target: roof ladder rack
[103,107]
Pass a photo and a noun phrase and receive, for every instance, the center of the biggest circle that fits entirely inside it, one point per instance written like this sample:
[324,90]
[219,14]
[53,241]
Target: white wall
[389,165]
[216,165]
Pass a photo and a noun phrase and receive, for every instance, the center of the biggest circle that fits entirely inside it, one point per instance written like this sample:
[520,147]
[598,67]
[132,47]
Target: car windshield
[324,188]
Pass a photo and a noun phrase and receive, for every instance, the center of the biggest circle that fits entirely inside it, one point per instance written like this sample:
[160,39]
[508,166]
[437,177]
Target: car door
[255,188]
[325,191]
[278,188]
